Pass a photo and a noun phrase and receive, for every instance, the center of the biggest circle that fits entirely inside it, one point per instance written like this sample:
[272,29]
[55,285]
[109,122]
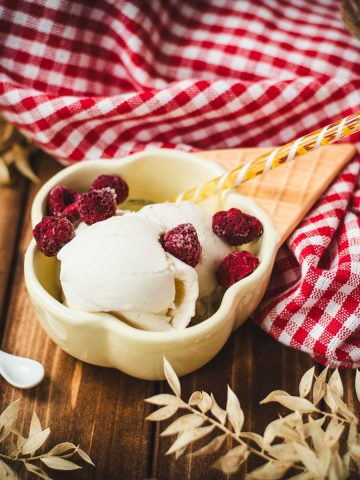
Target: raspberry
[236,227]
[52,233]
[63,203]
[255,227]
[182,241]
[113,181]
[97,205]
[234,267]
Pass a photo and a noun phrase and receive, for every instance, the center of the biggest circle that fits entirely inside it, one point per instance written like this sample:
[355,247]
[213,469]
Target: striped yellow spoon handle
[274,158]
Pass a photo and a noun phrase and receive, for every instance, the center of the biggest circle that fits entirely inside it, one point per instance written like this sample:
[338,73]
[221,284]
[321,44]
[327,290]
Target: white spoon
[20,372]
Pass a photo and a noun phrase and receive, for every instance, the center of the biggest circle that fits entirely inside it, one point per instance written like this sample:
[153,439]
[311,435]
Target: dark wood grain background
[103,409]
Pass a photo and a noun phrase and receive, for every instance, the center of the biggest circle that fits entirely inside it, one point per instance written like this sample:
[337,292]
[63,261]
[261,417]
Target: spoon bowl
[20,372]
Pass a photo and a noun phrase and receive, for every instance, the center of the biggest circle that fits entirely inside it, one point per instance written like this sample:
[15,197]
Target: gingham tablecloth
[89,79]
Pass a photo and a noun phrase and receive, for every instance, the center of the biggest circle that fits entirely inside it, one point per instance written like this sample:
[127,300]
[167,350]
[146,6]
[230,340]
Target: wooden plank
[98,408]
[253,364]
[11,211]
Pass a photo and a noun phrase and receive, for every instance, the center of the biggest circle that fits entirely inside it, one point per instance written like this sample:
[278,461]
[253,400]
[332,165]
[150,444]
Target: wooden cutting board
[288,192]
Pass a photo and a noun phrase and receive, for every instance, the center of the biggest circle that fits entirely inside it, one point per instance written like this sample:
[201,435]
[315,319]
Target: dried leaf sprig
[310,443]
[350,13]
[22,450]
[14,150]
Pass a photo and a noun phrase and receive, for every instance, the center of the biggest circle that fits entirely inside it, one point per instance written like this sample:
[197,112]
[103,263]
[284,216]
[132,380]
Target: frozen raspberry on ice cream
[182,241]
[234,267]
[97,205]
[113,181]
[236,227]
[63,203]
[52,233]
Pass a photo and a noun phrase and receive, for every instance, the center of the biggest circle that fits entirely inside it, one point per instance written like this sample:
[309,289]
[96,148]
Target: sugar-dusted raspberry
[234,267]
[113,181]
[182,241]
[255,227]
[236,227]
[63,203]
[230,225]
[52,233]
[97,205]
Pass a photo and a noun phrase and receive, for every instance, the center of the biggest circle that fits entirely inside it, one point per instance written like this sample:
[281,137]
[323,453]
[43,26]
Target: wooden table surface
[102,409]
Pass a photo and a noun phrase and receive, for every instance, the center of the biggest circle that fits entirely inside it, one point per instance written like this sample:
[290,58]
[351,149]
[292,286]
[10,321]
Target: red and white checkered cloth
[313,302]
[87,79]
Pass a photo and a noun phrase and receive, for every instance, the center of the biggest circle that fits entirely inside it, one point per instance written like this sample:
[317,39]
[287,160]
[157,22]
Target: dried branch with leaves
[14,150]
[350,12]
[310,443]
[21,450]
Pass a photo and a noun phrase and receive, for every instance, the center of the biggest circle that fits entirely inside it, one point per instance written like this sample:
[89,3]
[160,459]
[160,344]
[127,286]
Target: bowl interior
[46,270]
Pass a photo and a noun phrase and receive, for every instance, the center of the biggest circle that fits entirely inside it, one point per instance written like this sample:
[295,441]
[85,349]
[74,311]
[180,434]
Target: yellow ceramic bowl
[100,338]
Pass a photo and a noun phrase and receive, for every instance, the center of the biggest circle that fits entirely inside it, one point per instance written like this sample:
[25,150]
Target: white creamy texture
[214,250]
[118,265]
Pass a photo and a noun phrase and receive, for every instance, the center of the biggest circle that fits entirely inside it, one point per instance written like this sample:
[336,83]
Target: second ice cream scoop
[118,265]
[214,249]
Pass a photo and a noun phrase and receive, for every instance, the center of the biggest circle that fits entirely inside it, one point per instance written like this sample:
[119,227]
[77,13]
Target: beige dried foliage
[189,436]
[172,378]
[164,399]
[319,386]
[352,437]
[357,384]
[234,412]
[14,151]
[302,476]
[205,403]
[308,427]
[195,398]
[335,383]
[34,442]
[306,382]
[297,404]
[285,453]
[333,432]
[59,463]
[341,407]
[185,422]
[273,396]
[255,437]
[83,455]
[231,461]
[280,429]
[35,425]
[163,413]
[9,415]
[24,450]
[317,436]
[350,12]
[270,471]
[309,443]
[217,411]
[330,400]
[213,446]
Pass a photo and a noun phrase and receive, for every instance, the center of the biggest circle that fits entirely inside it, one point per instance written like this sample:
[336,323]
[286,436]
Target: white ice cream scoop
[119,266]
[20,372]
